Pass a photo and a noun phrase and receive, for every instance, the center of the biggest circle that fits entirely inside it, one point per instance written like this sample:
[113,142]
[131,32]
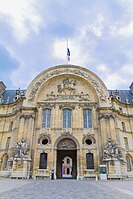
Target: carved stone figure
[21,149]
[110,150]
[67,86]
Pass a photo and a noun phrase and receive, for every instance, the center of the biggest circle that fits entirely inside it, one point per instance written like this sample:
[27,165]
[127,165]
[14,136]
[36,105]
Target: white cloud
[128,69]
[78,55]
[22,16]
[103,68]
[114,81]
[124,31]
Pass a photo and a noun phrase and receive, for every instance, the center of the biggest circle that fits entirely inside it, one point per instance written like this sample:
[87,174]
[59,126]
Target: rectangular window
[123,126]
[67,118]
[87,115]
[89,161]
[126,143]
[43,161]
[8,143]
[46,117]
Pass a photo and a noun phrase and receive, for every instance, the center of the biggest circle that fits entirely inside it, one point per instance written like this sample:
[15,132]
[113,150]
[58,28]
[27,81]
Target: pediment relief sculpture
[70,85]
[67,91]
[67,87]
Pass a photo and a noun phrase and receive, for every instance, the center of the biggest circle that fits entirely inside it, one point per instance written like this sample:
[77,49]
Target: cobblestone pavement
[66,189]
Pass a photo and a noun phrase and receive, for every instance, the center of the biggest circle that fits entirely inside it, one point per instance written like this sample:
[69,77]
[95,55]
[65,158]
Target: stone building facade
[66,123]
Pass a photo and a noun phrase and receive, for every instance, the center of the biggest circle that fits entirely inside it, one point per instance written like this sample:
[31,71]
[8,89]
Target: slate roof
[122,95]
[9,95]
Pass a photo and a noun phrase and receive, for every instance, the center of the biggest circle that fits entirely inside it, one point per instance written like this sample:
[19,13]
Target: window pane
[43,161]
[87,115]
[89,161]
[67,118]
[46,116]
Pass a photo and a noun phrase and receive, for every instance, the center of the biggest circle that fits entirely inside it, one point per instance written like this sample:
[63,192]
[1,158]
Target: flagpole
[67,55]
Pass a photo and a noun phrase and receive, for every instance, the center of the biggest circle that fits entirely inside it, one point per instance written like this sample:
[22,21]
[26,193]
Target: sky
[34,34]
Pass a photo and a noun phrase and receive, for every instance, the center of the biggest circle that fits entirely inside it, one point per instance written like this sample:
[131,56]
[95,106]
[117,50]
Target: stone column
[21,127]
[39,118]
[112,128]
[79,165]
[25,127]
[102,137]
[30,131]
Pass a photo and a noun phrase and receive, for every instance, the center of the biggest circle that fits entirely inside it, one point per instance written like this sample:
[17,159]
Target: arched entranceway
[66,159]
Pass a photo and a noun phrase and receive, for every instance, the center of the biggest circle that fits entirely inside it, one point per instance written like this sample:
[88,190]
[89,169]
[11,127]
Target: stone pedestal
[114,169]
[21,167]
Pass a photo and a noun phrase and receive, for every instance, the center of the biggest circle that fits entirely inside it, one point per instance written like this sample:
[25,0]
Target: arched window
[46,116]
[87,116]
[67,118]
[129,166]
[43,161]
[89,161]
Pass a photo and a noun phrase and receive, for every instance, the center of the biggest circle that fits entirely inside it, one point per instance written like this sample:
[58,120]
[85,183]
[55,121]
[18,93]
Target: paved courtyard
[65,189]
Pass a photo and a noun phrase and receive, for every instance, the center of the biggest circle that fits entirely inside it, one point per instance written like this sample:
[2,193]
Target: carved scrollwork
[68,83]
[66,144]
[47,105]
[62,106]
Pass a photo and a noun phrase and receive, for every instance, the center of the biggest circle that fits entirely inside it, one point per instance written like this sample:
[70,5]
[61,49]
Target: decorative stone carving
[67,87]
[106,116]
[88,136]
[46,105]
[111,151]
[96,84]
[63,97]
[27,116]
[88,105]
[21,149]
[67,106]
[67,133]
[66,144]
[19,94]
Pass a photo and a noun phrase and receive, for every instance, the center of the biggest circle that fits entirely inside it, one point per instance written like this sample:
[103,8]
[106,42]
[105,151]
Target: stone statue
[110,150]
[67,86]
[22,148]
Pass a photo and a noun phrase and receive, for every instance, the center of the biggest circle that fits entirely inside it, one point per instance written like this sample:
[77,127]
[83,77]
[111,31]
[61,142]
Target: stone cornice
[17,111]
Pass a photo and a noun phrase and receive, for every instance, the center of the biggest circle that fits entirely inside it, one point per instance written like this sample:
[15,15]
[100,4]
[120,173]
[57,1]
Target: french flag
[68,54]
